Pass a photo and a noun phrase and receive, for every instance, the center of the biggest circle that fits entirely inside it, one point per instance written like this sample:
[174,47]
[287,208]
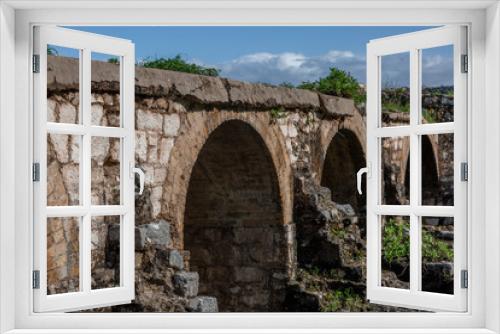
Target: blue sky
[271,54]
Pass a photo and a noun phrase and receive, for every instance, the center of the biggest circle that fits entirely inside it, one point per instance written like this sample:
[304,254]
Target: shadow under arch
[344,157]
[430,174]
[236,218]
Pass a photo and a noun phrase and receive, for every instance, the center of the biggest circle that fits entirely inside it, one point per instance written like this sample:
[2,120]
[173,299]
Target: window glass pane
[437,254]
[105,90]
[105,252]
[106,153]
[395,183]
[437,169]
[63,84]
[437,84]
[395,89]
[395,252]
[63,169]
[63,248]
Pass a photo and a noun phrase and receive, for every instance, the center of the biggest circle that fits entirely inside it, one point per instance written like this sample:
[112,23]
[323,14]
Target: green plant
[434,250]
[338,231]
[180,65]
[396,244]
[342,300]
[396,240]
[389,106]
[51,51]
[277,113]
[338,83]
[113,60]
[428,115]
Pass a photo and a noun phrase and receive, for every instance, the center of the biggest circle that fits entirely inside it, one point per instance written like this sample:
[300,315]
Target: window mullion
[415,172]
[85,249]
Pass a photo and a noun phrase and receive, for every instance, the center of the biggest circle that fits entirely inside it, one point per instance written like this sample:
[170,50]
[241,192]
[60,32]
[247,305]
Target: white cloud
[257,58]
[437,70]
[290,66]
[335,55]
[293,67]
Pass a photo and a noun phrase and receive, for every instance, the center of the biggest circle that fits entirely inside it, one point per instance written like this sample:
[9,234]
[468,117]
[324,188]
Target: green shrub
[389,106]
[338,83]
[52,51]
[277,113]
[342,300]
[396,240]
[113,60]
[435,250]
[428,115]
[396,244]
[338,231]
[180,65]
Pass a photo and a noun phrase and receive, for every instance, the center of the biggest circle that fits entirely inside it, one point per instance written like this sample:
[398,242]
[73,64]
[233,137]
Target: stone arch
[430,171]
[328,130]
[232,221]
[344,157]
[195,130]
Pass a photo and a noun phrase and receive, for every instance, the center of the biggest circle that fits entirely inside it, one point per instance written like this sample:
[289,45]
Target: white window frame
[86,44]
[412,44]
[16,20]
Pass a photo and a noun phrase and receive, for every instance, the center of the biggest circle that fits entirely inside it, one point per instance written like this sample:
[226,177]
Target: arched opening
[430,178]
[344,157]
[233,224]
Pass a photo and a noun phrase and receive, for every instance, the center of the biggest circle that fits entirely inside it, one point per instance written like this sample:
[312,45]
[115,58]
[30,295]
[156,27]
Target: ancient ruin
[250,199]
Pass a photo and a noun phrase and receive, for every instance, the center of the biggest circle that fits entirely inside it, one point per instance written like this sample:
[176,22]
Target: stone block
[171,125]
[114,234]
[154,234]
[100,149]
[96,114]
[155,198]
[165,148]
[186,283]
[51,110]
[60,145]
[334,106]
[264,96]
[249,274]
[175,259]
[141,146]
[203,304]
[147,120]
[67,113]
[199,88]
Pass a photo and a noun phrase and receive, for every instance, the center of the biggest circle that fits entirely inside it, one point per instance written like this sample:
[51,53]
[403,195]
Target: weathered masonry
[241,192]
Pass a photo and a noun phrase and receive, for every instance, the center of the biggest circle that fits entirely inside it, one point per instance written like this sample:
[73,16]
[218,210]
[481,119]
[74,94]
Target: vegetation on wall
[343,300]
[179,64]
[338,83]
[51,51]
[396,244]
[276,113]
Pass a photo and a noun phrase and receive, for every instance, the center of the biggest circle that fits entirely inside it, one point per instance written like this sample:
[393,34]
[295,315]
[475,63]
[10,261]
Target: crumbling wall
[175,115]
[244,227]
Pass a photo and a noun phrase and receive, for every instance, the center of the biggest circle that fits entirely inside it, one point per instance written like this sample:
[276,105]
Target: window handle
[364,170]
[142,176]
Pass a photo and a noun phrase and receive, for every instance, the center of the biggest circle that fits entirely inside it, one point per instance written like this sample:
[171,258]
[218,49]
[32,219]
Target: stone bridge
[228,166]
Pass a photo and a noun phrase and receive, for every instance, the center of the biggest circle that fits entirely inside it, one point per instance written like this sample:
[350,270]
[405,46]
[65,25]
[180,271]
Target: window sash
[86,297]
[413,43]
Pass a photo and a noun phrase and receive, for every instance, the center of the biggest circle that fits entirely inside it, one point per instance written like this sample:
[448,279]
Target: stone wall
[223,199]
[237,210]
